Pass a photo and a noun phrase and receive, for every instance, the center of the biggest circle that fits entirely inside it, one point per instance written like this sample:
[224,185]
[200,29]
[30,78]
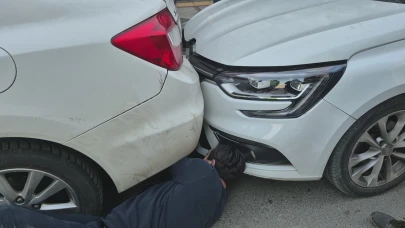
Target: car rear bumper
[299,148]
[152,136]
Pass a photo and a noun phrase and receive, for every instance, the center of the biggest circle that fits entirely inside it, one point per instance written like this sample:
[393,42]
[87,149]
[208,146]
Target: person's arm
[191,169]
[178,168]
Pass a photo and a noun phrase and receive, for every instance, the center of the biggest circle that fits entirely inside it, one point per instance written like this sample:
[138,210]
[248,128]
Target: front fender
[371,77]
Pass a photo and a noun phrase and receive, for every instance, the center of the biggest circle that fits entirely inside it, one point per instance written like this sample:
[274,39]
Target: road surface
[259,203]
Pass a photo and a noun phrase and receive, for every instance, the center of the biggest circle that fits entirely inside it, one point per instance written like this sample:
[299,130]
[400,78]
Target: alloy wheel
[37,190]
[378,157]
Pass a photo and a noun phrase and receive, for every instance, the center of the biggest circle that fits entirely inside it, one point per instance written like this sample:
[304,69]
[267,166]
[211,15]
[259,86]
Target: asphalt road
[259,203]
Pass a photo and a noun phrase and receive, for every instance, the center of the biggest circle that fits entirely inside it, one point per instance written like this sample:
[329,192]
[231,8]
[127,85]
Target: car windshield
[393,1]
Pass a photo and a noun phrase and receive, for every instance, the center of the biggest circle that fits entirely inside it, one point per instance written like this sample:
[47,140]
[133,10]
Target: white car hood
[293,32]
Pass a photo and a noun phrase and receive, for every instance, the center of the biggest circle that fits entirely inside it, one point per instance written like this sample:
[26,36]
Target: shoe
[381,220]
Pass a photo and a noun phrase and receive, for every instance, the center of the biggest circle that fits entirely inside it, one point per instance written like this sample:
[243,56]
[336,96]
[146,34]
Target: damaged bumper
[280,148]
[283,149]
[154,135]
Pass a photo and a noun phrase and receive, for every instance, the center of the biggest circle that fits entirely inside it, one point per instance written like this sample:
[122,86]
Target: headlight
[304,88]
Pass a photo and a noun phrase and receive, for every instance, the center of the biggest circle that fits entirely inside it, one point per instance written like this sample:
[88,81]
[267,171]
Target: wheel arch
[372,76]
[378,100]
[106,178]
[334,169]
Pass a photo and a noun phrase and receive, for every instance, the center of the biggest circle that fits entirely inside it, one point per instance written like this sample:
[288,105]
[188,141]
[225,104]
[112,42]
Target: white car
[94,93]
[307,87]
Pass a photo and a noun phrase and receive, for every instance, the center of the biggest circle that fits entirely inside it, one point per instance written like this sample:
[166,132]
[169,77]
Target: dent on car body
[141,141]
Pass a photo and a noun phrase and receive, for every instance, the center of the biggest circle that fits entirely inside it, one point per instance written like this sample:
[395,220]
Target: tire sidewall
[353,135]
[65,170]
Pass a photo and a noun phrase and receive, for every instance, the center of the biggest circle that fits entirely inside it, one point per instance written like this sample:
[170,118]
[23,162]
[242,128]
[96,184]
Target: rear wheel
[370,158]
[45,176]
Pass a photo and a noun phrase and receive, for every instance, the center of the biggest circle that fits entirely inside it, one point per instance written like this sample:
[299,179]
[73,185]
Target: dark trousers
[17,217]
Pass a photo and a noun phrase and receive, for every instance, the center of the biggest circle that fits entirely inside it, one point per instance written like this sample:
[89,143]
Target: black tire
[337,171]
[64,163]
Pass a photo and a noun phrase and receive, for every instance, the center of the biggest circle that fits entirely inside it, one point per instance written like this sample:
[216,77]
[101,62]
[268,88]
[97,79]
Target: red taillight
[156,40]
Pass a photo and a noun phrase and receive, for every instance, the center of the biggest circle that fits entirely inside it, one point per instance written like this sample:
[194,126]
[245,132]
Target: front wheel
[45,176]
[370,158]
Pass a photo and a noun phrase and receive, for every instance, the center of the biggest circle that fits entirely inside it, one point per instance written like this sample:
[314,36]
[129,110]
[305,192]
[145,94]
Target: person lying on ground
[194,197]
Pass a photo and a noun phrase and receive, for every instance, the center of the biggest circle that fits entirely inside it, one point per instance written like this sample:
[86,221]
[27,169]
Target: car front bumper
[305,142]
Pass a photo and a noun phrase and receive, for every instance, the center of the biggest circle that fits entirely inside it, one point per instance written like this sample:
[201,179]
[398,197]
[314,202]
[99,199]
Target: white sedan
[306,87]
[93,94]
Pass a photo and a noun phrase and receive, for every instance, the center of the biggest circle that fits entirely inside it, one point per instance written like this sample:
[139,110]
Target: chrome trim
[203,72]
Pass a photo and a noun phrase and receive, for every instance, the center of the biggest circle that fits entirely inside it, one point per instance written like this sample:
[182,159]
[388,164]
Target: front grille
[254,152]
[204,141]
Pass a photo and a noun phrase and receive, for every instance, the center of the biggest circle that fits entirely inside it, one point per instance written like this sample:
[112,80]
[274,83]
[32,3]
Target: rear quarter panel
[143,141]
[70,78]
